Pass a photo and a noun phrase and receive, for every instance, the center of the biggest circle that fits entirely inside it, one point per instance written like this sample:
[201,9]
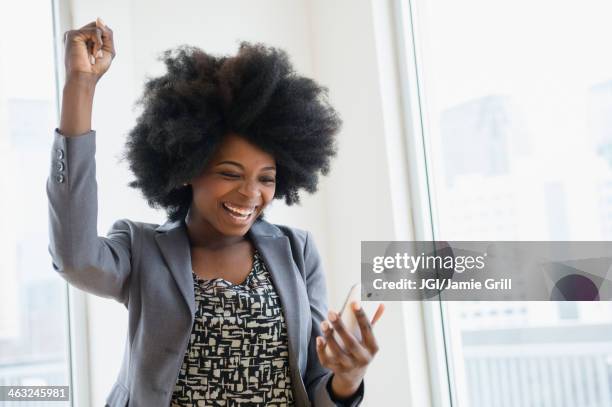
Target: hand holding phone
[348,318]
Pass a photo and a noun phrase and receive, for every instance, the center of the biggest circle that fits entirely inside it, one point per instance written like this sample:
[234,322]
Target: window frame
[438,330]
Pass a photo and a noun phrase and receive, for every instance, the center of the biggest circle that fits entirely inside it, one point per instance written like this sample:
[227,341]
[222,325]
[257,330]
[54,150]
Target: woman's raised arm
[99,265]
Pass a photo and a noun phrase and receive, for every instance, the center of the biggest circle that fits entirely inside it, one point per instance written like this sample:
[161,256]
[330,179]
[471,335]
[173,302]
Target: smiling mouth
[238,212]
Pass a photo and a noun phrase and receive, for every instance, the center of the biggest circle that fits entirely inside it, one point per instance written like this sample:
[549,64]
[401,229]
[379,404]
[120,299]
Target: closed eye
[234,176]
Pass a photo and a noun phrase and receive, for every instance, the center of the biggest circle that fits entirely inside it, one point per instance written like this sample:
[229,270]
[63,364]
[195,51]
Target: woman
[224,307]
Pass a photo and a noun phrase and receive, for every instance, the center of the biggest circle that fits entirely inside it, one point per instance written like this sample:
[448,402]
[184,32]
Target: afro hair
[202,98]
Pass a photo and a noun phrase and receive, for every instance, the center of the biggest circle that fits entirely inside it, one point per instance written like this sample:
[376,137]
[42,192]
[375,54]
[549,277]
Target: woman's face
[235,187]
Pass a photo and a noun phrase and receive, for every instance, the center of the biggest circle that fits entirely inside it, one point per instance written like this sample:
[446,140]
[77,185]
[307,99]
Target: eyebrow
[242,167]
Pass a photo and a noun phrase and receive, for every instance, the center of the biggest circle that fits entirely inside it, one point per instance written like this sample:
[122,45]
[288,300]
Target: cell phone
[348,315]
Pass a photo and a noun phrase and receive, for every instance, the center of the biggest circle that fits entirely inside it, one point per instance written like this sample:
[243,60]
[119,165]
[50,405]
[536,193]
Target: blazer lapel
[276,252]
[174,245]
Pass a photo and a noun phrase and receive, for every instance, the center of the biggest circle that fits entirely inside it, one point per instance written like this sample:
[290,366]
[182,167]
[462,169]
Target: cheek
[268,194]
[210,191]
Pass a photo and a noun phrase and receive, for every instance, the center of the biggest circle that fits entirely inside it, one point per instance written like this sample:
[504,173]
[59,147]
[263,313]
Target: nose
[249,189]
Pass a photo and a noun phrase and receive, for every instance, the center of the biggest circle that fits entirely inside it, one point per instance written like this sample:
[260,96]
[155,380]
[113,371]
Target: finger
[72,35]
[100,23]
[107,37]
[323,356]
[98,45]
[88,25]
[85,34]
[109,42]
[93,41]
[378,314]
[366,329]
[351,344]
[338,356]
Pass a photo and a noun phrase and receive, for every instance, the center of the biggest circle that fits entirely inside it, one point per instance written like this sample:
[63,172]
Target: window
[33,302]
[515,100]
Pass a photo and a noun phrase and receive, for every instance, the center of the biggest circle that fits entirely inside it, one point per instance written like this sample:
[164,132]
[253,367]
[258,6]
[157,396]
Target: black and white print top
[238,352]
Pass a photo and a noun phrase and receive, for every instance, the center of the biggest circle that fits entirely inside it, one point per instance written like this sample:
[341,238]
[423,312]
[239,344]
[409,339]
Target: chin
[236,227]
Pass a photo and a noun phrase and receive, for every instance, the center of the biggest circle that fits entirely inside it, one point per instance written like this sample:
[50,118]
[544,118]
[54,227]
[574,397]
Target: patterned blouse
[238,352]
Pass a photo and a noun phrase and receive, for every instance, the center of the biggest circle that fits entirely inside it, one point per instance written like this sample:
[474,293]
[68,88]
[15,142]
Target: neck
[203,235]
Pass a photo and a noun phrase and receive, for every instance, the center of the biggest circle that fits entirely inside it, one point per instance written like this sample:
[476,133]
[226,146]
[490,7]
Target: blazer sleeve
[318,378]
[98,265]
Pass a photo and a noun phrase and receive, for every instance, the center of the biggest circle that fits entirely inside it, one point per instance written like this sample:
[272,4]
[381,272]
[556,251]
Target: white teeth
[238,210]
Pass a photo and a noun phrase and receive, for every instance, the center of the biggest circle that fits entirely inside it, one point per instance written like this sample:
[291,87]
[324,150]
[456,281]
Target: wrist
[80,82]
[342,388]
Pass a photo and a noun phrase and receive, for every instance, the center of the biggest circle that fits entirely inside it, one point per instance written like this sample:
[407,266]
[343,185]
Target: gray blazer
[147,267]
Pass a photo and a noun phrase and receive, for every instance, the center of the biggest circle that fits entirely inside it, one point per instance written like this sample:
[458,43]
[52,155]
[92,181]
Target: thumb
[379,311]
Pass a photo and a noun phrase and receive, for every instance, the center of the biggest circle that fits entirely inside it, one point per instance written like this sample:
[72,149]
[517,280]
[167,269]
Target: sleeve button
[59,178]
[60,166]
[59,153]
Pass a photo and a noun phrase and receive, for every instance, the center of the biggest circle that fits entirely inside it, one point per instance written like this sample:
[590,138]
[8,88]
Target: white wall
[351,42]
[335,42]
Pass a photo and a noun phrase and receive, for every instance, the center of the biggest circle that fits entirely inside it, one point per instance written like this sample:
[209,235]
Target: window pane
[33,317]
[517,108]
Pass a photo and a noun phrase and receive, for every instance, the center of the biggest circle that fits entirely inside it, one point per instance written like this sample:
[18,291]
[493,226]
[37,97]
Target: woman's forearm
[77,104]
